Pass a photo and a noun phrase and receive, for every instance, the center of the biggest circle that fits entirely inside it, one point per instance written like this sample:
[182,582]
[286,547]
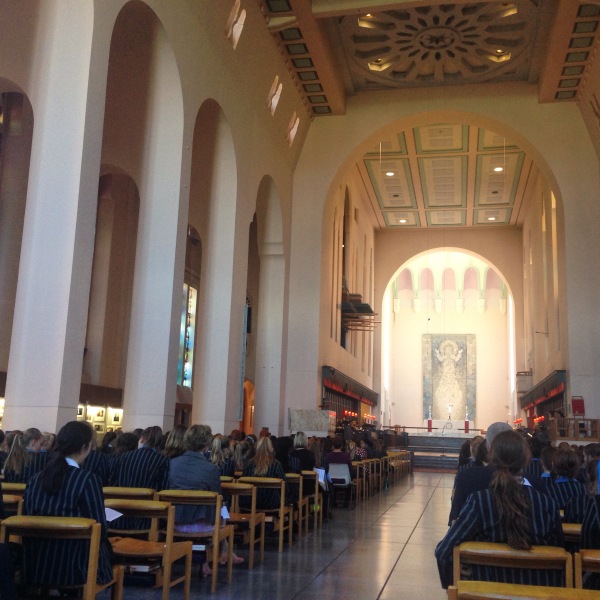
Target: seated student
[144,467]
[565,486]
[590,527]
[97,462]
[193,471]
[264,464]
[476,478]
[220,455]
[339,456]
[509,511]
[25,458]
[63,489]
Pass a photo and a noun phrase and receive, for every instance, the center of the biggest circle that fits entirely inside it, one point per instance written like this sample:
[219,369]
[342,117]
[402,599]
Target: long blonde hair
[264,457]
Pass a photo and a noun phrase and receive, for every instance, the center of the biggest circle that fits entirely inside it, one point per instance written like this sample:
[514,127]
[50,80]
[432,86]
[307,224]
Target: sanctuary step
[436,451]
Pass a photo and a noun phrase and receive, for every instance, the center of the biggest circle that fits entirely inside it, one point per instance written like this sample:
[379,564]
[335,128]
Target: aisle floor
[380,550]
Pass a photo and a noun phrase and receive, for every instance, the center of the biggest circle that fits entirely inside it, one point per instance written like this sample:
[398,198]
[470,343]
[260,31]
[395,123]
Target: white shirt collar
[72,462]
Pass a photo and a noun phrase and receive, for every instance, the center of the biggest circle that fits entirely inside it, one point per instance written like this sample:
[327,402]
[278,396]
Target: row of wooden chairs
[572,566]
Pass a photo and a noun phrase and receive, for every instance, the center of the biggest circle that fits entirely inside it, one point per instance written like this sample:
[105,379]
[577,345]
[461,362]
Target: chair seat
[477,590]
[133,547]
[590,558]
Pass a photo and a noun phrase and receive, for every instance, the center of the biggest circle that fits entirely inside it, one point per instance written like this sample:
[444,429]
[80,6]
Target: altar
[449,426]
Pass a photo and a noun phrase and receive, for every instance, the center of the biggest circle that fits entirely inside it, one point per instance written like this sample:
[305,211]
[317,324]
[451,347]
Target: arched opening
[449,360]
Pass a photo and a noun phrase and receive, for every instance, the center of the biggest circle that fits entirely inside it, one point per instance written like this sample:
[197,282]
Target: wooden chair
[226,478]
[67,528]
[341,480]
[151,550]
[315,500]
[212,538]
[15,489]
[502,555]
[13,504]
[487,590]
[131,493]
[250,520]
[360,479]
[300,506]
[585,561]
[281,517]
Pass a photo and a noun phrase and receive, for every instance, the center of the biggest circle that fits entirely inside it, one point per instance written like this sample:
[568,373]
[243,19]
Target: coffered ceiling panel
[445,174]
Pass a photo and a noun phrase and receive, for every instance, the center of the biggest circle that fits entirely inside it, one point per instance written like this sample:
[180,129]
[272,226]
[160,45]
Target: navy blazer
[63,562]
[144,467]
[478,521]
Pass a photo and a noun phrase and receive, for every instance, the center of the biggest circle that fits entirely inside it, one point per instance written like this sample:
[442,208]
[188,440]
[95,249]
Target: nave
[380,550]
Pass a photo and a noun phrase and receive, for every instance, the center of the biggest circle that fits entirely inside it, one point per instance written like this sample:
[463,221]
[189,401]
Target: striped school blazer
[64,562]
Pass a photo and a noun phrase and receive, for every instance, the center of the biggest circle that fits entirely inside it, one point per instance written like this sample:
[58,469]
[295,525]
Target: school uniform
[590,536]
[35,463]
[478,521]
[64,562]
[563,489]
[99,463]
[144,467]
[265,498]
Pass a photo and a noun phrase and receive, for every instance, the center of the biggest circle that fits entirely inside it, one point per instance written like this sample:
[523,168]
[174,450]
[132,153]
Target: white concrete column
[268,409]
[68,82]
[151,378]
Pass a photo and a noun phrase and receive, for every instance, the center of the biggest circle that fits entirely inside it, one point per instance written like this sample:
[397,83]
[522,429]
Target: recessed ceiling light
[499,51]
[498,169]
[390,173]
[491,218]
[401,220]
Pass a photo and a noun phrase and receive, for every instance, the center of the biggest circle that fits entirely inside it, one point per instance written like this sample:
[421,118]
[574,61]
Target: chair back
[133,493]
[252,519]
[490,590]
[13,504]
[283,518]
[16,489]
[339,474]
[76,528]
[503,555]
[146,509]
[218,533]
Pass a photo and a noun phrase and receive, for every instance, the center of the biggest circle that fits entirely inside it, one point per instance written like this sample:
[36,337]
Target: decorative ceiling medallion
[442,44]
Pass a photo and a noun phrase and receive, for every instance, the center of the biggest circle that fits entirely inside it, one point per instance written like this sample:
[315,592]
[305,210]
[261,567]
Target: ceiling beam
[334,8]
[322,55]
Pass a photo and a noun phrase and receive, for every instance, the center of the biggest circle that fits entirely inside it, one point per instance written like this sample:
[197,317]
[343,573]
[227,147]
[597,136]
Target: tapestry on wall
[449,368]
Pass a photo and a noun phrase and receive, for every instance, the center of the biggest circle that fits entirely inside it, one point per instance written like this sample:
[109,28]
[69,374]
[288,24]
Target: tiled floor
[382,549]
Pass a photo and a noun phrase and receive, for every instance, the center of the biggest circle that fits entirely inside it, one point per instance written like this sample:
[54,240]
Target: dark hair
[152,436]
[73,437]
[107,447]
[126,442]
[338,442]
[566,463]
[547,458]
[509,455]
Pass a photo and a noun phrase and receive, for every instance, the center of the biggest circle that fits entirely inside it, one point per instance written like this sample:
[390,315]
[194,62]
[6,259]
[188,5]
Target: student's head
[151,437]
[494,429]
[338,442]
[73,438]
[509,452]
[566,463]
[197,437]
[300,440]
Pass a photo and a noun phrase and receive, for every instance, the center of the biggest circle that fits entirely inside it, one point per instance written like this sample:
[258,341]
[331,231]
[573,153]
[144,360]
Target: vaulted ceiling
[445,174]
